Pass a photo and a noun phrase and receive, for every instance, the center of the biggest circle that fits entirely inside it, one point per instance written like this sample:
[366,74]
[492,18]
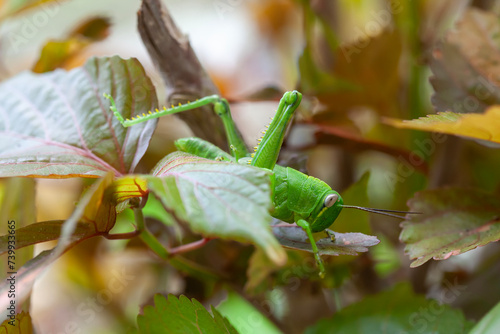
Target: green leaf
[245,317]
[396,311]
[453,221]
[181,316]
[58,124]
[489,324]
[218,199]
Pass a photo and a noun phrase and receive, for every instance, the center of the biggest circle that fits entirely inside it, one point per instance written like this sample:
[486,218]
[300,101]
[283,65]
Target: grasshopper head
[328,210]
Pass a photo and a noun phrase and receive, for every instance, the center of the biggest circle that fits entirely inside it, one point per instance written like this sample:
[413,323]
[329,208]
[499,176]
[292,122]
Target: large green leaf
[58,124]
[181,316]
[453,221]
[396,311]
[489,324]
[218,199]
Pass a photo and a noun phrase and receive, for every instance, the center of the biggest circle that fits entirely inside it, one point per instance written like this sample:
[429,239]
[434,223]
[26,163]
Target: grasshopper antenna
[382,211]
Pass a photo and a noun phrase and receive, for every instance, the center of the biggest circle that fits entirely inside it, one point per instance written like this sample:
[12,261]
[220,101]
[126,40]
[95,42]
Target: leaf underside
[58,124]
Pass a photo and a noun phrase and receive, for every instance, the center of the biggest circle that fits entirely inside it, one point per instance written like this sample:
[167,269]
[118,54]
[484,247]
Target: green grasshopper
[297,197]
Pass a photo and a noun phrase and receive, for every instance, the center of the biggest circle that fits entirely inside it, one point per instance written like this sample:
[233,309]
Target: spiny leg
[221,108]
[307,228]
[267,151]
[160,112]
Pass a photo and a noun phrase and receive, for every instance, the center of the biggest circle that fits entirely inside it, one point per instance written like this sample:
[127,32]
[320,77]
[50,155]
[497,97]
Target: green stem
[147,237]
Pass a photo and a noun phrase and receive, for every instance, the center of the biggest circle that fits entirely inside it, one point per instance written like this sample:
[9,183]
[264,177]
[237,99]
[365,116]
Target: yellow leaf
[477,126]
[20,323]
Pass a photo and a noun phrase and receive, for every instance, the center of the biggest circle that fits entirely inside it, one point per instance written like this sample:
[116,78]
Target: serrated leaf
[58,124]
[453,221]
[218,199]
[396,311]
[484,127]
[465,64]
[489,324]
[20,324]
[182,316]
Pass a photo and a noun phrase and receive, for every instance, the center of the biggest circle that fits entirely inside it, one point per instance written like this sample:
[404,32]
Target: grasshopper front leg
[268,149]
[307,228]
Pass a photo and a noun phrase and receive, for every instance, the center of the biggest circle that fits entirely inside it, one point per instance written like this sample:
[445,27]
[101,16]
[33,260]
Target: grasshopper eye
[330,200]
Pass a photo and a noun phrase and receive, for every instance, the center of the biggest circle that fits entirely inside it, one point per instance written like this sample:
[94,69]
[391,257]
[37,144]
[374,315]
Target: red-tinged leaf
[218,199]
[453,221]
[58,124]
[465,64]
[127,187]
